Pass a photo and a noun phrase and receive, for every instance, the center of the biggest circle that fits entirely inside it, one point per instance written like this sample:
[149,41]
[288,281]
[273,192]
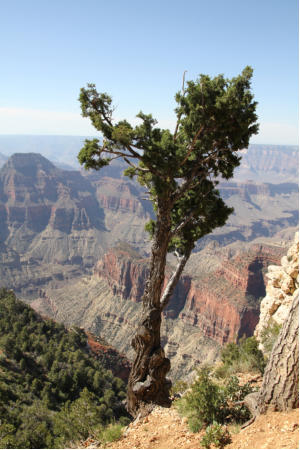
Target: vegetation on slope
[215,398]
[51,390]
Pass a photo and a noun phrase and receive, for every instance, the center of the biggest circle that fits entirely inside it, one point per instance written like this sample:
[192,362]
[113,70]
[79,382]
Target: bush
[208,402]
[178,388]
[112,433]
[234,392]
[269,336]
[204,402]
[216,434]
[244,356]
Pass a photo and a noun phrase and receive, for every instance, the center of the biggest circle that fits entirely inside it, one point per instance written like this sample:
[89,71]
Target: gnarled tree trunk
[280,387]
[147,385]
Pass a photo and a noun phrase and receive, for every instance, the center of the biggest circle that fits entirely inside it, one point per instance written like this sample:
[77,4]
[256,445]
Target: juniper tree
[180,170]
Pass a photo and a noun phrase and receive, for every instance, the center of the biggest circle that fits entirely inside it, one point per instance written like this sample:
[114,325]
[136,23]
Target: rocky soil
[165,429]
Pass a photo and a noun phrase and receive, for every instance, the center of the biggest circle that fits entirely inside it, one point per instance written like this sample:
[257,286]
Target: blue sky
[137,51]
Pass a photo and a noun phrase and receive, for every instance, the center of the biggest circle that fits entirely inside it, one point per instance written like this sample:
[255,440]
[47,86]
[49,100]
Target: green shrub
[112,433]
[204,402]
[7,433]
[244,356]
[207,401]
[179,387]
[269,336]
[234,392]
[216,434]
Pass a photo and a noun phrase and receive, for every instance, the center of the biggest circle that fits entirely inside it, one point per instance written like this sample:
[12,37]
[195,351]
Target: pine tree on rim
[215,118]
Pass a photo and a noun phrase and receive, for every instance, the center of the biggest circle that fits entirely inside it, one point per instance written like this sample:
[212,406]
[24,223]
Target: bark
[147,385]
[279,390]
[168,292]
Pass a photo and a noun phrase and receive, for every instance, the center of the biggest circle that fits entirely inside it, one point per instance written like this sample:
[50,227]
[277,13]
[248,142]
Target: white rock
[287,286]
[292,271]
[283,283]
[273,268]
[284,261]
[281,314]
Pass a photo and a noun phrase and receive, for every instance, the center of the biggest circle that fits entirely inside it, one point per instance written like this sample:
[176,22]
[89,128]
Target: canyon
[73,245]
[215,301]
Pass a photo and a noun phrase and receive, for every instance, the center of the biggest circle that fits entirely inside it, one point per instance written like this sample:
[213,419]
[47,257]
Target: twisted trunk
[147,383]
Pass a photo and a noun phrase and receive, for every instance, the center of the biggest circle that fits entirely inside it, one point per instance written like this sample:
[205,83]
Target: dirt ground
[164,428]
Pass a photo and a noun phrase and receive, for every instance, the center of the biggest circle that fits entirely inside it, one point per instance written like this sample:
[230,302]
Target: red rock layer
[112,359]
[218,305]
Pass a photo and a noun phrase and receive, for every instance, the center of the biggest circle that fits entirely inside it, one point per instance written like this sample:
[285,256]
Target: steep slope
[46,374]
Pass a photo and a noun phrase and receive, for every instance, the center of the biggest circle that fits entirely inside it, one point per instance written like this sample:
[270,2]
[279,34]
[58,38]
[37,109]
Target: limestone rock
[283,284]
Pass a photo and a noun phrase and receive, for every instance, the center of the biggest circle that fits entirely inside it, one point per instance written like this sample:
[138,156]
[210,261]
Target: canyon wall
[215,306]
[56,231]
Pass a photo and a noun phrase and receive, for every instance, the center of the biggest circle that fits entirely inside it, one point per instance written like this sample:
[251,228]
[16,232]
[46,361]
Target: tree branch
[136,167]
[182,224]
[201,129]
[179,117]
[168,292]
[188,183]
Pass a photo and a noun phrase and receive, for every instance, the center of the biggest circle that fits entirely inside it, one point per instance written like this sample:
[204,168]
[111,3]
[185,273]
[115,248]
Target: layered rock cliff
[282,287]
[222,303]
[215,306]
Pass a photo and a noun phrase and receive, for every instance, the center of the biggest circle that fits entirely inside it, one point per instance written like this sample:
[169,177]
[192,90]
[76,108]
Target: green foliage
[7,436]
[207,401]
[234,392]
[111,433]
[270,335]
[51,389]
[204,402]
[244,356]
[215,118]
[216,434]
[179,387]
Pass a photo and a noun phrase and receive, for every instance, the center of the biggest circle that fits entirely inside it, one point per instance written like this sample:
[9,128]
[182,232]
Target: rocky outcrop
[125,273]
[282,287]
[119,195]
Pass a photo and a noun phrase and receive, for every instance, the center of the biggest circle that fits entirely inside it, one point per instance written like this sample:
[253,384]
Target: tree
[280,386]
[215,118]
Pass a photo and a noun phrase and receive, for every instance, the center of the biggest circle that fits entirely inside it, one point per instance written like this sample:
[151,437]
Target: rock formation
[214,302]
[282,287]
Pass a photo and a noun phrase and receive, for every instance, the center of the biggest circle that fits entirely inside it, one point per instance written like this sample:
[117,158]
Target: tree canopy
[215,119]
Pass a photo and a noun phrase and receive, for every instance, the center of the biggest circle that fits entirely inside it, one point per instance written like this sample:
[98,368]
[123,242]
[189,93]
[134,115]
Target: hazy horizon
[137,52]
